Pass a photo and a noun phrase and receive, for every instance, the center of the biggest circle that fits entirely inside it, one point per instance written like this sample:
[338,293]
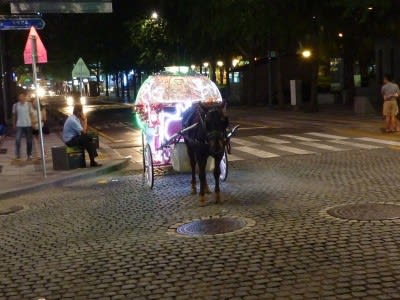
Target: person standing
[390,92]
[75,133]
[35,122]
[23,125]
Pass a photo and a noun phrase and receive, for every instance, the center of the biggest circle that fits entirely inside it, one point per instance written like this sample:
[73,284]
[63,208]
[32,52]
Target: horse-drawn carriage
[162,101]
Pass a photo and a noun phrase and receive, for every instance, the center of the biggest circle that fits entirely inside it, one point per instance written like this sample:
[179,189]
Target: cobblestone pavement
[109,237]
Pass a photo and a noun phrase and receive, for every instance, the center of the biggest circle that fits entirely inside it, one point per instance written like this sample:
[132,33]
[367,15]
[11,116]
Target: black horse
[207,138]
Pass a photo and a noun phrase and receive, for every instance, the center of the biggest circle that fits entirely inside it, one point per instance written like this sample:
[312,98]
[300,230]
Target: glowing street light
[220,63]
[235,62]
[154,15]
[306,53]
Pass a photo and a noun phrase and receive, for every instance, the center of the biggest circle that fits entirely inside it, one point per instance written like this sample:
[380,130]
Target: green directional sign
[80,69]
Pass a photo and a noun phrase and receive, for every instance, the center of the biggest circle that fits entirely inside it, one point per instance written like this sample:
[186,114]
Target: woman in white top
[22,123]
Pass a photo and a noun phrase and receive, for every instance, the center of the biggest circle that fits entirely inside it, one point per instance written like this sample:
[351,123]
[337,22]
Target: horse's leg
[217,173]
[206,187]
[201,162]
[193,167]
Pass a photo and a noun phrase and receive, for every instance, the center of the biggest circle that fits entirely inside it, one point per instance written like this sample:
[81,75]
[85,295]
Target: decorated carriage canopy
[175,87]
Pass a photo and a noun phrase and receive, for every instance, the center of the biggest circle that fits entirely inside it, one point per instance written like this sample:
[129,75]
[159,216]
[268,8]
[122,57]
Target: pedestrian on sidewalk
[22,123]
[35,122]
[390,92]
[75,133]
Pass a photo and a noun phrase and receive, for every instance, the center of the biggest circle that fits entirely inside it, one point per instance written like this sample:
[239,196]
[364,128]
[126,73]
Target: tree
[149,39]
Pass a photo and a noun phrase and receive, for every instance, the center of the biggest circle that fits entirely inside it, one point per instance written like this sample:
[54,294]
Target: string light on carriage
[175,117]
[161,101]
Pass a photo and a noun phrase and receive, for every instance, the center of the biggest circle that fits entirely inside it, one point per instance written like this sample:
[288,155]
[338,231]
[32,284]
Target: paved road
[111,238]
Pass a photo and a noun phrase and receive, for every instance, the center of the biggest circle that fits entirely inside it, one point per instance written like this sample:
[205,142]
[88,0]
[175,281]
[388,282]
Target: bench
[67,158]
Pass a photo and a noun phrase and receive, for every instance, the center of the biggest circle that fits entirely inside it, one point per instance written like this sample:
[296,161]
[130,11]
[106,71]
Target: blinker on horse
[206,139]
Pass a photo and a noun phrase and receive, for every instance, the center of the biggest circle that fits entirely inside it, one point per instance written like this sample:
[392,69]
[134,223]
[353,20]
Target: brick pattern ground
[108,238]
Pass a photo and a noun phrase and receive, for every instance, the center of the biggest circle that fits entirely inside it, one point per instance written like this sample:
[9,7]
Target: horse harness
[213,134]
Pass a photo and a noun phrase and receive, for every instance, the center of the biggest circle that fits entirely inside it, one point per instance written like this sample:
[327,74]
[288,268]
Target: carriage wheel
[224,167]
[148,166]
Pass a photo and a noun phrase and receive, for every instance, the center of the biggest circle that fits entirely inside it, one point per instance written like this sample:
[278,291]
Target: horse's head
[215,124]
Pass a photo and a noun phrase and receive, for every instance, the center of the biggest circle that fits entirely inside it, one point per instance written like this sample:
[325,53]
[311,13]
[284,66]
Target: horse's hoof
[207,190]
[194,192]
[202,201]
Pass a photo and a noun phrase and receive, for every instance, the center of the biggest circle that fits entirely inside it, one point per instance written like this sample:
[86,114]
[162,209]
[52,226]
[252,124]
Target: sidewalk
[19,177]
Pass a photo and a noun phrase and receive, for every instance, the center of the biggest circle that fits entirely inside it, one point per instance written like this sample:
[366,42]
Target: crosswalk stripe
[251,128]
[300,138]
[354,144]
[256,152]
[386,142]
[322,146]
[329,136]
[291,149]
[243,142]
[270,139]
[233,157]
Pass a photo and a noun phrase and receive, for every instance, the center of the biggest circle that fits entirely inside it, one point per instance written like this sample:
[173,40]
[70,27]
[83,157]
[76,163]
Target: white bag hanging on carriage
[180,159]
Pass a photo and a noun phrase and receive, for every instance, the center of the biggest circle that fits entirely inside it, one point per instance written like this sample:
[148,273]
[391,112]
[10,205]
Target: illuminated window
[234,77]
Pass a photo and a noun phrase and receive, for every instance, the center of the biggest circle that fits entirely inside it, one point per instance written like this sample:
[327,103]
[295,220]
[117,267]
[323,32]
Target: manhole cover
[211,226]
[366,211]
[10,210]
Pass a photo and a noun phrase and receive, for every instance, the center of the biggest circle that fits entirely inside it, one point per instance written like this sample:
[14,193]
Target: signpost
[35,52]
[80,71]
[21,23]
[8,22]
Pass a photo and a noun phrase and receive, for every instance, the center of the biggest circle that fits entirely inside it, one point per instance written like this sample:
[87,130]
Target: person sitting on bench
[75,133]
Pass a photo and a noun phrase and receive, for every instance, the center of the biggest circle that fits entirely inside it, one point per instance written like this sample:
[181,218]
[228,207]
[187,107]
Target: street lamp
[154,15]
[235,62]
[306,53]
[220,64]
[205,67]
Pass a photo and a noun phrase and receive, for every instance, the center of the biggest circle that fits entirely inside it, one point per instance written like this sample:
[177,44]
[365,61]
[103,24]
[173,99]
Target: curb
[92,172]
